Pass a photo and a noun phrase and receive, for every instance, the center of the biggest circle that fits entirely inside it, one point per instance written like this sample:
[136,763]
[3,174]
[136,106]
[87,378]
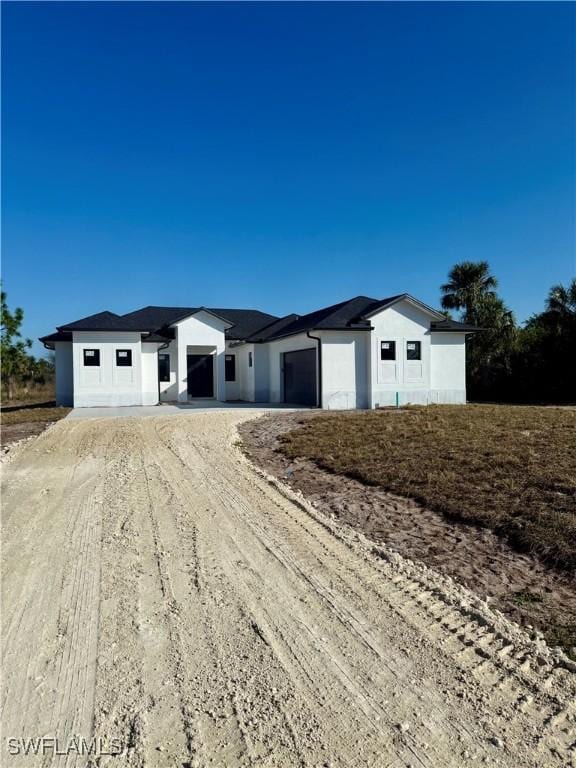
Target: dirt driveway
[161,594]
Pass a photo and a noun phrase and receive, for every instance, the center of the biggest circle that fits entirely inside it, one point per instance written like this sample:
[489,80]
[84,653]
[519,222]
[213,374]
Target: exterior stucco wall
[439,377]
[400,323]
[64,373]
[199,333]
[448,371]
[252,382]
[106,384]
[345,373]
[149,373]
[233,390]
[261,373]
[169,389]
[246,372]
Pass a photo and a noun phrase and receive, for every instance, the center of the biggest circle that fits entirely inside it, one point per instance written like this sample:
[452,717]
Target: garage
[300,380]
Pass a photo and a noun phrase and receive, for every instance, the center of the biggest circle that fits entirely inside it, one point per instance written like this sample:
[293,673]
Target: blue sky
[282,156]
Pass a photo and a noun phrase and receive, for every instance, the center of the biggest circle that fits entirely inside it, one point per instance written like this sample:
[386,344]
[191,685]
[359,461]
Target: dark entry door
[201,375]
[300,377]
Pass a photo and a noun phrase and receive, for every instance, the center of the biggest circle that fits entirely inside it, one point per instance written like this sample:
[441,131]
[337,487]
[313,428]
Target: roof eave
[314,328]
[462,329]
[344,328]
[51,338]
[65,329]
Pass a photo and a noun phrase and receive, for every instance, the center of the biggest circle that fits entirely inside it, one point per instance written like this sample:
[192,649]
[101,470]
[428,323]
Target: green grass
[512,469]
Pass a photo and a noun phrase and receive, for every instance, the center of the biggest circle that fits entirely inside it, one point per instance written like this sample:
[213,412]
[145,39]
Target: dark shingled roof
[245,322]
[378,304]
[58,336]
[453,326]
[353,314]
[273,329]
[346,315]
[102,321]
[153,318]
[253,325]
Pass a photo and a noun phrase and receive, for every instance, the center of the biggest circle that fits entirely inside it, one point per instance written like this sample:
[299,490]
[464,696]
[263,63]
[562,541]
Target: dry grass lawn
[25,415]
[16,425]
[510,468]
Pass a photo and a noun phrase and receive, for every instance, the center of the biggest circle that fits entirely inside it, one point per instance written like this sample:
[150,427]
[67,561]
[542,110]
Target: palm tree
[469,283]
[562,299]
[560,315]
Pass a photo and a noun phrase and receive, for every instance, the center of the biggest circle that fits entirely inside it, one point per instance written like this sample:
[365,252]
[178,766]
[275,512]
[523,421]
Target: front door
[201,375]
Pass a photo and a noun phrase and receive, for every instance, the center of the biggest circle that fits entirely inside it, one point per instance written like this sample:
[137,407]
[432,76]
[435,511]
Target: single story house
[360,353]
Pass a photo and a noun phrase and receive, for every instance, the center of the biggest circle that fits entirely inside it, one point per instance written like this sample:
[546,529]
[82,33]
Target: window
[230,366]
[387,350]
[413,350]
[164,367]
[92,357]
[124,357]
[249,359]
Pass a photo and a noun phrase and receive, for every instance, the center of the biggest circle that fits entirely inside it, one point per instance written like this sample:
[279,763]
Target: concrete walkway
[175,409]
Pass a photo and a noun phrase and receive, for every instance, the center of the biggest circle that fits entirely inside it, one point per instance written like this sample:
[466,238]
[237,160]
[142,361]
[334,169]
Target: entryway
[200,375]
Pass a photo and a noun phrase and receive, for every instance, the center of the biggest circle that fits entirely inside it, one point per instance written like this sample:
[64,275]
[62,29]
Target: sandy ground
[159,590]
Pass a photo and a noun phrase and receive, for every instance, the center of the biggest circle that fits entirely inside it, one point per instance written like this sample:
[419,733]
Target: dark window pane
[249,359]
[387,350]
[124,357]
[164,367]
[230,364]
[92,357]
[413,350]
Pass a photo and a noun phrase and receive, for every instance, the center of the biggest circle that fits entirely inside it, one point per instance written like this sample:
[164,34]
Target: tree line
[21,371]
[507,362]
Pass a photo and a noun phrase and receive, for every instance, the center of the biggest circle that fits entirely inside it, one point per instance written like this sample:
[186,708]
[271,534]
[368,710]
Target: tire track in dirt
[50,605]
[220,722]
[307,641]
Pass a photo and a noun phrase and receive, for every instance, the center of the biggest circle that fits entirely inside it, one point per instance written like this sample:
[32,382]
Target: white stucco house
[360,353]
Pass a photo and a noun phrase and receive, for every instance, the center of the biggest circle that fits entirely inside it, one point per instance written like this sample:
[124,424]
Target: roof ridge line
[277,320]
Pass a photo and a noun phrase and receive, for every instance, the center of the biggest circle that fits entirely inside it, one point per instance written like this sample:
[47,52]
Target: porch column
[182,369]
[220,383]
